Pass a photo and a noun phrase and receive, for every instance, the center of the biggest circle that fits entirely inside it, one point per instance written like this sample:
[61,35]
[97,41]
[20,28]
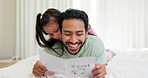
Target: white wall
[7,28]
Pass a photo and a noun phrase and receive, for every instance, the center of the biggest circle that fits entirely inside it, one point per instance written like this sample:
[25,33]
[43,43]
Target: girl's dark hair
[42,20]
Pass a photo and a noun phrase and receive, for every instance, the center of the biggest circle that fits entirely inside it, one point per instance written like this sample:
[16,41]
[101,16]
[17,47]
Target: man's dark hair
[73,14]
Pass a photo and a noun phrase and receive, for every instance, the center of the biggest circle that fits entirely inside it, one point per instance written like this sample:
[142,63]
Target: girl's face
[52,29]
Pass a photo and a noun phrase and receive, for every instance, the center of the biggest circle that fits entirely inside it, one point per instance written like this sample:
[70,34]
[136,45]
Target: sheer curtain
[26,12]
[126,24]
[121,24]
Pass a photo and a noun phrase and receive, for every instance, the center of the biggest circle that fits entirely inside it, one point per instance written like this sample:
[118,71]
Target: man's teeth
[73,45]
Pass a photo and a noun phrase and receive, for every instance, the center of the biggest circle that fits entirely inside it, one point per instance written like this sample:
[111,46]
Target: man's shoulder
[92,38]
[58,45]
[56,48]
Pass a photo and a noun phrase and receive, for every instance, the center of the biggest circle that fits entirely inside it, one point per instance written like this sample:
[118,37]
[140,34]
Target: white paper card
[75,67]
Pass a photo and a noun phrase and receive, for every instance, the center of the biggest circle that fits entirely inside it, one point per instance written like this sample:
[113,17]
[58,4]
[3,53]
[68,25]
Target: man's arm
[98,51]
[99,71]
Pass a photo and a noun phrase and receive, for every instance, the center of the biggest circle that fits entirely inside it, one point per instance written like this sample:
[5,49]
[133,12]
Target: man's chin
[73,51]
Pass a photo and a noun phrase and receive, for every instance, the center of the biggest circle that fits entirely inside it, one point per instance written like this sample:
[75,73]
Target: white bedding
[126,64]
[22,69]
[129,64]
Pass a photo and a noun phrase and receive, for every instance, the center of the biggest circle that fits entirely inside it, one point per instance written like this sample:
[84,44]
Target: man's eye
[79,34]
[67,34]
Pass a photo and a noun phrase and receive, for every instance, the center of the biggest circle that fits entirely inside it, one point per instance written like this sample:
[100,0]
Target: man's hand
[99,71]
[39,69]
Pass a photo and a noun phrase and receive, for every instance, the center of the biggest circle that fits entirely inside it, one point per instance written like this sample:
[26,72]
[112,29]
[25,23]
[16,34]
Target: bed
[131,63]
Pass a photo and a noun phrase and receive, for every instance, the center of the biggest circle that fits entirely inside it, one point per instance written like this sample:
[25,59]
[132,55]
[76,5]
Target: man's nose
[73,39]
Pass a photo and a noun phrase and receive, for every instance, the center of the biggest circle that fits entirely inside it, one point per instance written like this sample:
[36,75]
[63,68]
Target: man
[77,43]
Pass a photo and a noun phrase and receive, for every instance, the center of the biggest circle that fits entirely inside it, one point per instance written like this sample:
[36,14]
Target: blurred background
[121,24]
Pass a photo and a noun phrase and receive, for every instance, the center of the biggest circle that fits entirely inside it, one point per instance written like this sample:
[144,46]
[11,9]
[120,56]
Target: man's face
[73,34]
